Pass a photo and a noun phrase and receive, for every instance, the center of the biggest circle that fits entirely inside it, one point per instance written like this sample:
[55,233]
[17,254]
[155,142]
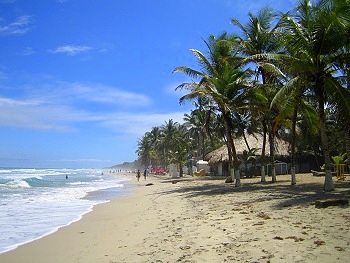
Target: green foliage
[339,159]
[285,75]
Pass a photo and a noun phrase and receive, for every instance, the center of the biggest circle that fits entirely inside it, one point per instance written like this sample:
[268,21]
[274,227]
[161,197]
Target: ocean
[36,202]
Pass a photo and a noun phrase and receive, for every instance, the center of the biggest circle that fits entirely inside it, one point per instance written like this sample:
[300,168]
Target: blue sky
[82,80]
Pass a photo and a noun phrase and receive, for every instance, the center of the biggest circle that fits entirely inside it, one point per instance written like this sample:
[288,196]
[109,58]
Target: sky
[82,80]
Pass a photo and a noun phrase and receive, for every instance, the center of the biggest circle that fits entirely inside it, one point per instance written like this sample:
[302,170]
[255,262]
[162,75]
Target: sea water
[36,202]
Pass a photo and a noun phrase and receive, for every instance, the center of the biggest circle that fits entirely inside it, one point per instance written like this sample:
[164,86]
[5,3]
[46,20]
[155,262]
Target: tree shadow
[302,194]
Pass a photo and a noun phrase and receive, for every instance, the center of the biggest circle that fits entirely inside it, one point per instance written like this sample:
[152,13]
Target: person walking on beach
[138,175]
[145,173]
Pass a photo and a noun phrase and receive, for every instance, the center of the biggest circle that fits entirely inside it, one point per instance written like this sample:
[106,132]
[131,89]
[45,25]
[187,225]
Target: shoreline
[204,220]
[95,197]
[52,247]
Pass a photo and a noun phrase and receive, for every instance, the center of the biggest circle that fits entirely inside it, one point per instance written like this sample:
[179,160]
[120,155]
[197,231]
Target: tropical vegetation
[281,76]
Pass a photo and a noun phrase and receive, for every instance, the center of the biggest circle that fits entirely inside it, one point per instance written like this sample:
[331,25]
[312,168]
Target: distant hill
[127,166]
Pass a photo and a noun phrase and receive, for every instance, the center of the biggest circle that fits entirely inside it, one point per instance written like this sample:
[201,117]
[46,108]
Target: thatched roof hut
[254,141]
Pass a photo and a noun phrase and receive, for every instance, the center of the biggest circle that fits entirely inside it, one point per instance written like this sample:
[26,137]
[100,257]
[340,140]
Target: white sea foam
[35,203]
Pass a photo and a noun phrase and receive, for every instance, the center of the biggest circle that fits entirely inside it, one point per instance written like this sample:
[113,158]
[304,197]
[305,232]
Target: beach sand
[204,220]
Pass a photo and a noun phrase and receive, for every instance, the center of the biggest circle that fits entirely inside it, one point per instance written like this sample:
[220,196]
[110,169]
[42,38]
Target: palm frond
[285,90]
[340,96]
[309,114]
[188,71]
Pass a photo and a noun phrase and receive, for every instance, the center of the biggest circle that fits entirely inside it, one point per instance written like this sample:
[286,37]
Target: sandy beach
[204,220]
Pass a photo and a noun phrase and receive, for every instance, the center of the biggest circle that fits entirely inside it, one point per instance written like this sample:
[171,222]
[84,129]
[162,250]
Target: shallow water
[36,202]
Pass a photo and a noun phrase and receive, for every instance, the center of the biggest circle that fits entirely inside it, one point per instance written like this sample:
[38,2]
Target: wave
[15,184]
[79,183]
[36,181]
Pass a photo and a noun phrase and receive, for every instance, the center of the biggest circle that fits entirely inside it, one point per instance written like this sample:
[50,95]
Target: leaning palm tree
[223,82]
[315,32]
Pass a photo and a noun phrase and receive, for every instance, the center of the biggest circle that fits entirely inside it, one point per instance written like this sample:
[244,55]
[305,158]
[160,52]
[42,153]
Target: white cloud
[21,26]
[50,104]
[137,124]
[71,50]
[105,94]
[46,88]
[27,51]
[33,114]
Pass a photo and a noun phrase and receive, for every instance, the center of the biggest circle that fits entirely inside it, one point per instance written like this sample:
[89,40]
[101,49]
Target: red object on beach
[158,170]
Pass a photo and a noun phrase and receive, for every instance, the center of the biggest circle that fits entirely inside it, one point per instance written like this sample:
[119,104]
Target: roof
[254,141]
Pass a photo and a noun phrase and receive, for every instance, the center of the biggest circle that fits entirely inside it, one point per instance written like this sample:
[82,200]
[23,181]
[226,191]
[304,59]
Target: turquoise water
[36,202]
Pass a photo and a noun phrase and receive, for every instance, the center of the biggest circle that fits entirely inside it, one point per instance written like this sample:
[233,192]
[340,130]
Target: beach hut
[219,162]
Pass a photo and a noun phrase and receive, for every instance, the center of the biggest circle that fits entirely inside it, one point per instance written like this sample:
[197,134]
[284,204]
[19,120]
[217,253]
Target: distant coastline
[127,166]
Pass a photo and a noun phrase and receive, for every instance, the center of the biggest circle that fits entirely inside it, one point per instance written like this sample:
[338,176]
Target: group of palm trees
[284,74]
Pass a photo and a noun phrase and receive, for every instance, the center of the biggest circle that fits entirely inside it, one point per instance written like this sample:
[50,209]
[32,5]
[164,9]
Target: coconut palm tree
[197,123]
[149,146]
[167,142]
[315,33]
[258,37]
[223,82]
[344,67]
[202,124]
[294,106]
[145,149]
[181,147]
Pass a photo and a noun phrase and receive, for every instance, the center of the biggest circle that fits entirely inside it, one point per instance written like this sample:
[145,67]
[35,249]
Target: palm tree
[168,133]
[202,124]
[197,122]
[181,147]
[315,34]
[293,104]
[258,37]
[344,67]
[145,149]
[149,146]
[223,82]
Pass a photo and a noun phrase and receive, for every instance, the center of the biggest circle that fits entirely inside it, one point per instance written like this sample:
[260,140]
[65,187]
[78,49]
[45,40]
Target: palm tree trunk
[272,156]
[181,173]
[347,143]
[328,182]
[347,125]
[246,142]
[199,148]
[233,159]
[203,146]
[292,157]
[263,178]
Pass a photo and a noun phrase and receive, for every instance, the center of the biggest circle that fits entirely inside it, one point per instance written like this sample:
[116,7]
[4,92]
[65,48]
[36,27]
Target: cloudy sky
[82,80]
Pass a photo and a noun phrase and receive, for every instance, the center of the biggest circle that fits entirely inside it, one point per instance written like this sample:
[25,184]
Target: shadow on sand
[304,193]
